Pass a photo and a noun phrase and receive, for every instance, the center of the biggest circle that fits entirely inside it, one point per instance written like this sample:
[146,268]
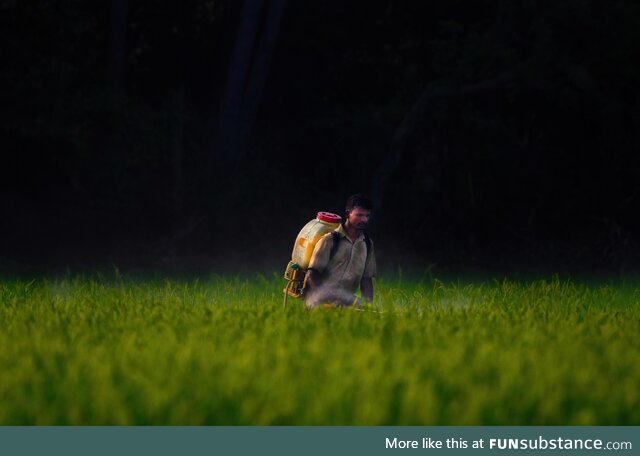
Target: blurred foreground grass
[222,351]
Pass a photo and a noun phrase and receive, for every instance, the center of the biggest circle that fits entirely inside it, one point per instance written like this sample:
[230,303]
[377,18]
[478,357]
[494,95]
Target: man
[343,260]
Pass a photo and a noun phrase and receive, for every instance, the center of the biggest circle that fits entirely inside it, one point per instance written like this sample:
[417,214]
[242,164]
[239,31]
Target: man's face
[359,218]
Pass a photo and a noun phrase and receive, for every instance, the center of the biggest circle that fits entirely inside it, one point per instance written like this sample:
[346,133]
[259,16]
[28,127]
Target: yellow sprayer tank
[310,234]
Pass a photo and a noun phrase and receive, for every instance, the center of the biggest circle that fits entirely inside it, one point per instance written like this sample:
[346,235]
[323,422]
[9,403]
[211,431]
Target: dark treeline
[492,135]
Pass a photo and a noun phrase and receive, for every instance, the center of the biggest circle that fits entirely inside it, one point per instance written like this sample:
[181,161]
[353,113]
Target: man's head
[358,211]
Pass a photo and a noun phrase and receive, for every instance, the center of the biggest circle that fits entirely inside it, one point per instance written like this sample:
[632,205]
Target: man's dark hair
[359,200]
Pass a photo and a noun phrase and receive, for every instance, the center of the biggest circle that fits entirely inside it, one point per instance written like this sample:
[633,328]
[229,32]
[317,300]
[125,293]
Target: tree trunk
[247,74]
[260,68]
[117,46]
[177,115]
[229,121]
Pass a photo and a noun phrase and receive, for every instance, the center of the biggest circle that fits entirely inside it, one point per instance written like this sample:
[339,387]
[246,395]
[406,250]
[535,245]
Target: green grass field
[221,351]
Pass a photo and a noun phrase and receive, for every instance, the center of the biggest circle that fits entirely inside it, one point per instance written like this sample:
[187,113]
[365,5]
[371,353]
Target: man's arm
[318,263]
[366,288]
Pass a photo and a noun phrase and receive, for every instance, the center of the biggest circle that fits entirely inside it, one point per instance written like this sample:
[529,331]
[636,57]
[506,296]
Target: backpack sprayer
[310,234]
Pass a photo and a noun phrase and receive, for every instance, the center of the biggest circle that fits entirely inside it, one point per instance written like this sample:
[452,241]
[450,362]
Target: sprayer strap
[336,243]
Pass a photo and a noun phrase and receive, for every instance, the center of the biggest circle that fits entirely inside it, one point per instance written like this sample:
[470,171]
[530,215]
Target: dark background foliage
[492,135]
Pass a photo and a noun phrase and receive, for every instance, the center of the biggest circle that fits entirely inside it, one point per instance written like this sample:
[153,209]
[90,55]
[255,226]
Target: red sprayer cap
[329,217]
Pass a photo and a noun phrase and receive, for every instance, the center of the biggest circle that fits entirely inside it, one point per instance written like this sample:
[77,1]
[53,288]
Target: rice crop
[223,351]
